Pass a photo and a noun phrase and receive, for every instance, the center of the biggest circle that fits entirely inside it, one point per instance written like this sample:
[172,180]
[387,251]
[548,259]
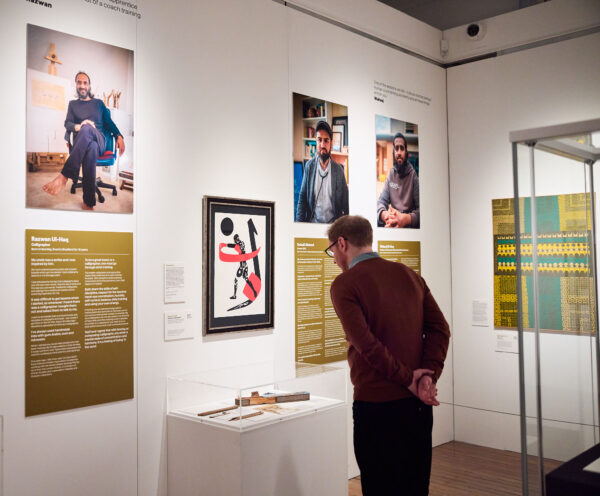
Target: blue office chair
[110,158]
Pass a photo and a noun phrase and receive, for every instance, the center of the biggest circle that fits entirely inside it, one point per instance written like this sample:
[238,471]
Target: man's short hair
[400,135]
[355,229]
[323,125]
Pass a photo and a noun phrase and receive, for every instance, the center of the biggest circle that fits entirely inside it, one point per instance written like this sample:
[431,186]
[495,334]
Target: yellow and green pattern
[566,286]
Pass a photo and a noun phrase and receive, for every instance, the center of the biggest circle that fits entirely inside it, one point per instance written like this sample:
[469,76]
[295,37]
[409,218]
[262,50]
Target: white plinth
[303,456]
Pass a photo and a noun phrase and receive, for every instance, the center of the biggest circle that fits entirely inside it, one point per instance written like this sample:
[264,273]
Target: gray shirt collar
[362,257]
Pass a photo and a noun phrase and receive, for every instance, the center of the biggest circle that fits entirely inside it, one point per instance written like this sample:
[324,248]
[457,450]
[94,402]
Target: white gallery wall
[218,122]
[90,450]
[548,85]
[214,124]
[213,90]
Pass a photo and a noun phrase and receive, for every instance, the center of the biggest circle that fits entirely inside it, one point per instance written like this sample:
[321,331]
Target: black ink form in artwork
[253,283]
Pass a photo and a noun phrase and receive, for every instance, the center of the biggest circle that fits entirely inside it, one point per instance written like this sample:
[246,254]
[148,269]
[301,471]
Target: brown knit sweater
[393,326]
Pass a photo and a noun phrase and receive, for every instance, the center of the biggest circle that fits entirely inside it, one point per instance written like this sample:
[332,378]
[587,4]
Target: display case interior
[249,396]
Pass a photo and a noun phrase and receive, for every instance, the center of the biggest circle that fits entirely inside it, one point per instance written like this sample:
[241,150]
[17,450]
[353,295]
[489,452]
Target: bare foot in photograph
[55,186]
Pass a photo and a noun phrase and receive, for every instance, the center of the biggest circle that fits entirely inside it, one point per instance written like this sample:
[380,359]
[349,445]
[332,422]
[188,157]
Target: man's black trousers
[392,444]
[88,145]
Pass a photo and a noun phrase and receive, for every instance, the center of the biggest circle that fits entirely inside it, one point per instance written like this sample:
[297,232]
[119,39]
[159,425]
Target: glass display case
[552,256]
[249,396]
[266,428]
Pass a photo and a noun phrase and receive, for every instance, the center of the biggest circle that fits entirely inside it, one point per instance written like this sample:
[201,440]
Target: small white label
[174,283]
[480,314]
[507,342]
[178,325]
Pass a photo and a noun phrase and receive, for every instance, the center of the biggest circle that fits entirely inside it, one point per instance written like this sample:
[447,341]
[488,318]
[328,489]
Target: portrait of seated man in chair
[91,132]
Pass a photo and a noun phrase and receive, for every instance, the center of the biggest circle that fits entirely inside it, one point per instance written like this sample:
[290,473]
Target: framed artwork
[238,265]
[341,121]
[339,128]
[336,142]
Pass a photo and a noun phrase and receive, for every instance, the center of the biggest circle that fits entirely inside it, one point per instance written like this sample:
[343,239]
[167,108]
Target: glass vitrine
[555,272]
[253,395]
[251,429]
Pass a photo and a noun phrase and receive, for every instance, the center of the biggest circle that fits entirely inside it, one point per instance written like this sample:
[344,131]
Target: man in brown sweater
[398,339]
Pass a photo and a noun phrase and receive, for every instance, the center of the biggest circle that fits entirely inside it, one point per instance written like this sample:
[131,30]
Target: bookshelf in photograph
[308,111]
[313,111]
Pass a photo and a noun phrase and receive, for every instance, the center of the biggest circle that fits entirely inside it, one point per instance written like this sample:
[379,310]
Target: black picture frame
[342,121]
[238,255]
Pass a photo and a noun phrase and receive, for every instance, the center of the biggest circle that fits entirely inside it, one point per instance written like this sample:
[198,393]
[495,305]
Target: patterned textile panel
[566,299]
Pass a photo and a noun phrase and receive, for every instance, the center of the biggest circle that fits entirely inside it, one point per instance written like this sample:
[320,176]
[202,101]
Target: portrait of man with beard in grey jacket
[398,204]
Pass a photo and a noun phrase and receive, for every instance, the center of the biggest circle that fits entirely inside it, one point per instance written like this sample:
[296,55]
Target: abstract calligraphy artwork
[238,265]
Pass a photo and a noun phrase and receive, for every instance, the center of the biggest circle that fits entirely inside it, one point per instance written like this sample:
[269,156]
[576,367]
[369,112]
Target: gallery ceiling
[446,14]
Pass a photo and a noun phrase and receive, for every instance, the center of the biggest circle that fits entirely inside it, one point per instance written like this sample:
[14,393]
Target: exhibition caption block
[117,6]
[79,319]
[320,337]
[382,90]
[406,252]
[319,334]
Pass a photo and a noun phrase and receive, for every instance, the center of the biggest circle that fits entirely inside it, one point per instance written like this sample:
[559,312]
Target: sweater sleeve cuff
[413,219]
[436,370]
[403,376]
